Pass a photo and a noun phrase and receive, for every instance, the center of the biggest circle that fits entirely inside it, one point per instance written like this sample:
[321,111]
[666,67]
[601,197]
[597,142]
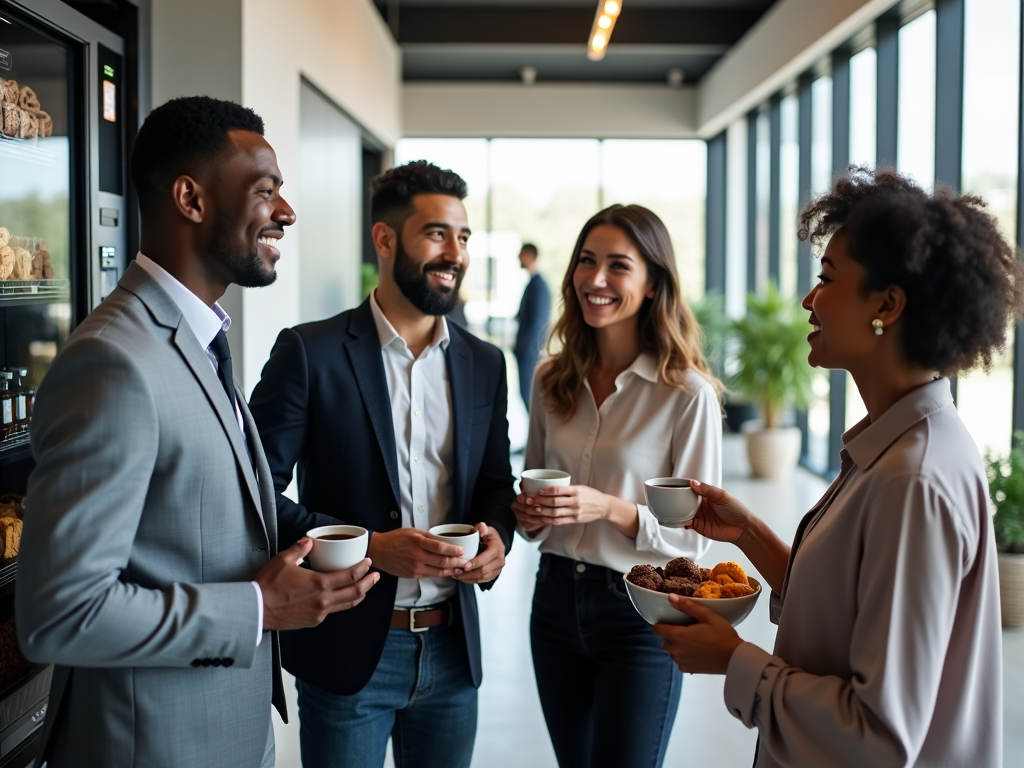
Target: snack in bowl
[649,586]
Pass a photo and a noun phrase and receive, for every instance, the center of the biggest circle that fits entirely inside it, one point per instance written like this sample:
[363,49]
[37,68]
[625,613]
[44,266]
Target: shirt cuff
[648,532]
[741,680]
[259,612]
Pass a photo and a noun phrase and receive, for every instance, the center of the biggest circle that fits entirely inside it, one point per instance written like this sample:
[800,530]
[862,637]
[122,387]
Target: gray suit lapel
[167,313]
[262,467]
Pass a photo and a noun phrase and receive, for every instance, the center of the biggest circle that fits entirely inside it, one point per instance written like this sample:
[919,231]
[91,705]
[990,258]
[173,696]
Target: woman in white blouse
[888,651]
[627,397]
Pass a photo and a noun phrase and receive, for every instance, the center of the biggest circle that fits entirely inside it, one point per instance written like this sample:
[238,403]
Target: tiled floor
[511,727]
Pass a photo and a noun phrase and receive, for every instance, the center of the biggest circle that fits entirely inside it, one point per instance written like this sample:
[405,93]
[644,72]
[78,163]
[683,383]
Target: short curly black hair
[392,192]
[964,283]
[179,137]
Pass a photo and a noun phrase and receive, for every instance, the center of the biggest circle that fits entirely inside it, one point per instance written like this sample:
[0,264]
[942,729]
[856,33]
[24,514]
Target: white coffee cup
[459,534]
[336,554]
[671,500]
[535,479]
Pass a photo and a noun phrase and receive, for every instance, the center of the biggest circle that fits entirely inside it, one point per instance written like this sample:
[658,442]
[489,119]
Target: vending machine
[65,231]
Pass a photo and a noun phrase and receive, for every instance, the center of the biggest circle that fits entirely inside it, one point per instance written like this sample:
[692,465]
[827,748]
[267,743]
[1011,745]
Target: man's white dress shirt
[421,412]
[205,322]
[644,429]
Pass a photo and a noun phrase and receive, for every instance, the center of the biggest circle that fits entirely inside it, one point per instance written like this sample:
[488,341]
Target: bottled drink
[20,398]
[7,406]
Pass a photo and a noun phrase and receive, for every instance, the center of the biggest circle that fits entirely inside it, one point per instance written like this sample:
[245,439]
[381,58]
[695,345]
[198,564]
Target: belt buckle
[412,620]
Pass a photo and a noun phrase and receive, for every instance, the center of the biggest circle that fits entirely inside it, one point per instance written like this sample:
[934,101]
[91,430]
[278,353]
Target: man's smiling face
[431,255]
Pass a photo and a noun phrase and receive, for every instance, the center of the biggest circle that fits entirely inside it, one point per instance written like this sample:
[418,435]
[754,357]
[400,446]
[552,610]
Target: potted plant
[1006,489]
[709,311]
[771,370]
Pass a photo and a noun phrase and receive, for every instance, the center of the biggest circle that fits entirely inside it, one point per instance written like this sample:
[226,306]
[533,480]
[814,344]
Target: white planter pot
[1011,589]
[773,453]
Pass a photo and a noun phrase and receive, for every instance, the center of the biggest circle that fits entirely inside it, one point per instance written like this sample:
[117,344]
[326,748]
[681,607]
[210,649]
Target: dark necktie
[219,347]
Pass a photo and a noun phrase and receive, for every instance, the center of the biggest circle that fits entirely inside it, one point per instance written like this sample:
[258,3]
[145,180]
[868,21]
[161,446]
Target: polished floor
[511,729]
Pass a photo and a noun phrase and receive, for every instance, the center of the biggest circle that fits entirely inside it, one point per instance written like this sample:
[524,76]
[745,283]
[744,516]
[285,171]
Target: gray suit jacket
[144,526]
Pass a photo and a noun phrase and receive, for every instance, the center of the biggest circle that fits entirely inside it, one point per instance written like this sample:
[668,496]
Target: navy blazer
[322,405]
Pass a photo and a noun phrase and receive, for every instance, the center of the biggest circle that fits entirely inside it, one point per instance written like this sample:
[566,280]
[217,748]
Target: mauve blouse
[889,649]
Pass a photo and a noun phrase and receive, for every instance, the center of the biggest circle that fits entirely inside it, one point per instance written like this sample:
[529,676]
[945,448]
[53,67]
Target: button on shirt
[644,429]
[421,412]
[206,322]
[889,643]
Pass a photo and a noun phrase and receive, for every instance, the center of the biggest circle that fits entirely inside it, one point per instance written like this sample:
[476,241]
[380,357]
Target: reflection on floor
[511,727]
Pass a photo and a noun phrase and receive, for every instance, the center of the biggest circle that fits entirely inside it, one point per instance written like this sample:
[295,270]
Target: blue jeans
[608,691]
[421,695]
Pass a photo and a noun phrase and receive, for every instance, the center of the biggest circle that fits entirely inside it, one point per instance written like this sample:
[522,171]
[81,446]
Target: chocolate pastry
[679,585]
[684,567]
[28,99]
[645,576]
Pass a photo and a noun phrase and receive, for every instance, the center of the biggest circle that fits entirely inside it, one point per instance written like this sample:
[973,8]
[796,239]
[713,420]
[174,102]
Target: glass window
[863,107]
[736,219]
[821,134]
[915,136]
[764,187]
[789,194]
[543,192]
[670,178]
[991,114]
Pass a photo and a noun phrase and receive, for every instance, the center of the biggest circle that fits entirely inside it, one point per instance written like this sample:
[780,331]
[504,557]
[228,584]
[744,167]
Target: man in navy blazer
[395,420]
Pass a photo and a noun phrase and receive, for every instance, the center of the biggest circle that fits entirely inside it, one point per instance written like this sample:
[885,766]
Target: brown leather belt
[422,619]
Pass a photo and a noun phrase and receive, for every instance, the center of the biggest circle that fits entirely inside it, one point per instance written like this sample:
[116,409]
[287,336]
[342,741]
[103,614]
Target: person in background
[888,650]
[628,397]
[533,317]
[149,571]
[395,420]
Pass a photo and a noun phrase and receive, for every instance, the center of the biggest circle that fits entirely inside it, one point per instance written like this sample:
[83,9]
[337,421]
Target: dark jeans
[421,696]
[608,691]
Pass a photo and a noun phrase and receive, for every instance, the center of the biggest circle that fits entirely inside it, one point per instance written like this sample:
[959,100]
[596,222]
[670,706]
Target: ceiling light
[601,32]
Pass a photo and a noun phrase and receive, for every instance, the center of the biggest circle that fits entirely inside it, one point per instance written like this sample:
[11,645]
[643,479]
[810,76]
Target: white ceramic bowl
[671,500]
[535,479]
[459,534]
[656,609]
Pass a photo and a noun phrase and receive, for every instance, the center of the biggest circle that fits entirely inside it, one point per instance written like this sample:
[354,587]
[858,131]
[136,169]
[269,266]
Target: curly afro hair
[181,137]
[963,281]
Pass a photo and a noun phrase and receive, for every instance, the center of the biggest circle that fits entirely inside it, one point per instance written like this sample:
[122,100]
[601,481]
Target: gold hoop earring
[877,325]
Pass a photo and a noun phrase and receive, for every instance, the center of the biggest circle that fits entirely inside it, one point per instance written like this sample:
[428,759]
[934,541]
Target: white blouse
[644,429]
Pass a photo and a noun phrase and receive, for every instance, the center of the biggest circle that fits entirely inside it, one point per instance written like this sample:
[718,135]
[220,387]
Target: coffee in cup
[336,547]
[671,500]
[459,534]
[535,479]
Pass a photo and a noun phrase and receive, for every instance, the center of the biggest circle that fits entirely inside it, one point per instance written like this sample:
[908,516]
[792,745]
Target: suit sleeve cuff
[741,680]
[259,612]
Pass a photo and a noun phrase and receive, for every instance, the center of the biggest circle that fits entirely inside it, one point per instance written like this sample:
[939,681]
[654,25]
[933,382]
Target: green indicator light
[108,70]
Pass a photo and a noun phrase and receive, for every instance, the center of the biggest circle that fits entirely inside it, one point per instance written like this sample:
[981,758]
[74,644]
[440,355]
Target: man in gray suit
[148,570]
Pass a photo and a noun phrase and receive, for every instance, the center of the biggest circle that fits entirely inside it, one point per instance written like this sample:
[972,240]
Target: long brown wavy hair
[667,327]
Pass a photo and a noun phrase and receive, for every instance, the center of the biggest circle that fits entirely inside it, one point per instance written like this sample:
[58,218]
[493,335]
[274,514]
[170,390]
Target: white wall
[256,52]
[549,110]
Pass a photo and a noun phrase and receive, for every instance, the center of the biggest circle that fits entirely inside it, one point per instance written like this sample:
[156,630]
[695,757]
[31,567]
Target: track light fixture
[601,32]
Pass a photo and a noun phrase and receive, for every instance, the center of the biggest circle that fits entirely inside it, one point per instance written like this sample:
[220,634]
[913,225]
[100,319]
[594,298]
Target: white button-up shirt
[644,429]
[421,412]
[205,322]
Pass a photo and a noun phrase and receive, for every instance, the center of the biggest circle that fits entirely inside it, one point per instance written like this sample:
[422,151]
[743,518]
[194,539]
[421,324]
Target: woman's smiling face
[841,315]
[611,278]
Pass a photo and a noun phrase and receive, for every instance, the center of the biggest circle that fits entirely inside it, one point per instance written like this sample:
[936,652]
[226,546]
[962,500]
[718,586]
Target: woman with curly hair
[627,397]
[888,650]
